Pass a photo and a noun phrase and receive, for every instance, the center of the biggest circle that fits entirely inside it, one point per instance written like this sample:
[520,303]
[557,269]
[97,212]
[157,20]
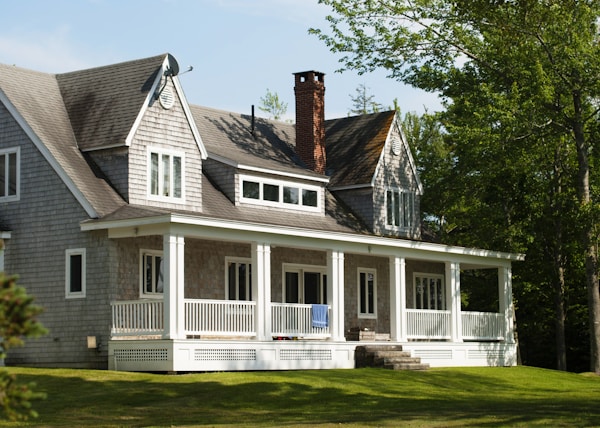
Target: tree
[272,105]
[17,320]
[514,75]
[363,103]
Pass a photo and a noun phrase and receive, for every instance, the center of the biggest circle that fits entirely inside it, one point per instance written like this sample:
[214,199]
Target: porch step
[388,357]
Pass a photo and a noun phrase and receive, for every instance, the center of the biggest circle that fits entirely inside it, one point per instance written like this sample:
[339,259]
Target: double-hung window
[367,293]
[238,279]
[165,174]
[9,174]
[152,273]
[400,207]
[75,273]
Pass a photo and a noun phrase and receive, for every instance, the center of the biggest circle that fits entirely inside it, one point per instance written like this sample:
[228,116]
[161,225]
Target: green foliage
[515,169]
[272,105]
[17,321]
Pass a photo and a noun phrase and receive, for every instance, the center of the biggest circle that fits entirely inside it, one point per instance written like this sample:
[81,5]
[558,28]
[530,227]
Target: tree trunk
[589,240]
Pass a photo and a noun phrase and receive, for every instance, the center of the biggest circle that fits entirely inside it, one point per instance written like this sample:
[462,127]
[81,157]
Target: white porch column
[173,286]
[453,299]
[398,316]
[261,288]
[335,293]
[506,302]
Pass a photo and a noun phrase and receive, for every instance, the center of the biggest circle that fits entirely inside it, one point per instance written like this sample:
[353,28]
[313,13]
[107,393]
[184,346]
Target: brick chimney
[310,119]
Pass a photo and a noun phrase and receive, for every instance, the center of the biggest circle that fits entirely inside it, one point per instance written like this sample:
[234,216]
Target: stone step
[396,360]
[407,366]
[373,348]
[391,354]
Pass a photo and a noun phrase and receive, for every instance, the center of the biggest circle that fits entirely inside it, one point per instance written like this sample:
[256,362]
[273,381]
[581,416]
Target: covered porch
[179,332]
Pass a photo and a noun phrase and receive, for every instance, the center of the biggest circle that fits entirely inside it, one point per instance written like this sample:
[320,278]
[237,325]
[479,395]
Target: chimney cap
[305,76]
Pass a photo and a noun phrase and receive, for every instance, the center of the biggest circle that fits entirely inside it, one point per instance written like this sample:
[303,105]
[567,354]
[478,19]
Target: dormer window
[282,194]
[165,174]
[400,209]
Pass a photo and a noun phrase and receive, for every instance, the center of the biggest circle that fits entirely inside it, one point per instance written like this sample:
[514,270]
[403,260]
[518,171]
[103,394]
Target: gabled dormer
[372,170]
[133,124]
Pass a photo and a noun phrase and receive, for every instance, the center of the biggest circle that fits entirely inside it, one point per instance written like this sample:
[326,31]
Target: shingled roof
[35,100]
[269,145]
[104,102]
[354,146]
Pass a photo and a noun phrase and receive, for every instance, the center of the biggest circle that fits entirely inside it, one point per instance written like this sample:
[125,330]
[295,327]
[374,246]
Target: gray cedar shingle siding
[44,223]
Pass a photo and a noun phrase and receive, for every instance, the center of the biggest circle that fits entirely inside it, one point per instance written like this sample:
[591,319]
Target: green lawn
[477,397]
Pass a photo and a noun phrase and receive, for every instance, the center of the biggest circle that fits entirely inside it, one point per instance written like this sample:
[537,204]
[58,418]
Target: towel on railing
[320,316]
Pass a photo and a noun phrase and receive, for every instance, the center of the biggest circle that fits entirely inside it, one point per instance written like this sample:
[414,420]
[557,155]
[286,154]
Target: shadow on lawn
[288,398]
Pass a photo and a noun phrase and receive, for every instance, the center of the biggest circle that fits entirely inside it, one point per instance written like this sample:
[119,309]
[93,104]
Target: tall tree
[517,73]
[272,105]
[363,102]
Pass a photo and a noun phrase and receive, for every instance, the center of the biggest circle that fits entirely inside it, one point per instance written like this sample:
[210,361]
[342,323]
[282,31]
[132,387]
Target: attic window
[260,191]
[165,175]
[400,209]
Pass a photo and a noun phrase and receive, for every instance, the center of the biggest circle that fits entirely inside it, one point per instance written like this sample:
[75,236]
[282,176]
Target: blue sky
[238,48]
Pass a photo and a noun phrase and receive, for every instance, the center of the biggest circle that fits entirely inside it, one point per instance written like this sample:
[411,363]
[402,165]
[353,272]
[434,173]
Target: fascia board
[190,118]
[224,229]
[85,204]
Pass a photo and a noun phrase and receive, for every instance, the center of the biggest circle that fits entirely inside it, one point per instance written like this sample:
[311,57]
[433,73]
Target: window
[304,284]
[238,279]
[429,291]
[367,293]
[400,208]
[165,174]
[9,174]
[279,194]
[75,273]
[152,273]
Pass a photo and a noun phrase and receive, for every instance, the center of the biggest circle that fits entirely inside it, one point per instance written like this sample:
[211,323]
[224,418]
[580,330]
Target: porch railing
[482,326]
[137,317]
[295,320]
[428,324]
[219,317]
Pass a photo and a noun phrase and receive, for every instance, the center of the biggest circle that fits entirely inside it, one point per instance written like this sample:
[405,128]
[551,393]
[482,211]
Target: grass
[476,397]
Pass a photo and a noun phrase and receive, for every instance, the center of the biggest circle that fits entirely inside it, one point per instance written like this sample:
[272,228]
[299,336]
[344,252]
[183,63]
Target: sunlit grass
[518,396]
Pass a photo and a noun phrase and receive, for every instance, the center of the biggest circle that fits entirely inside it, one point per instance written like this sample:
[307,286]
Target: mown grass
[476,397]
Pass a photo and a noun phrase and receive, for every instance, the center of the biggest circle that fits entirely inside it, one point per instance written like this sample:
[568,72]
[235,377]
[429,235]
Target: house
[164,236]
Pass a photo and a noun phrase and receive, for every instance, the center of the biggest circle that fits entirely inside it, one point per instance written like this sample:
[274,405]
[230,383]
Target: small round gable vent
[396,146]
[167,98]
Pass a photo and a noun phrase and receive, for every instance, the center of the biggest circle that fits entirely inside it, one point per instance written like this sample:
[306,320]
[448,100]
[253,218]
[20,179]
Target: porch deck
[222,335]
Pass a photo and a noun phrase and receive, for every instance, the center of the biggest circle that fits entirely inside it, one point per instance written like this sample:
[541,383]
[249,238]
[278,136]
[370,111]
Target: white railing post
[453,299]
[398,315]
[506,302]
[335,294]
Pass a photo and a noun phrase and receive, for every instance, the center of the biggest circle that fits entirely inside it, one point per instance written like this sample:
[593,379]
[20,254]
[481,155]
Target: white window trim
[279,204]
[17,196]
[390,223]
[301,269]
[241,260]
[68,254]
[143,294]
[366,271]
[430,276]
[160,152]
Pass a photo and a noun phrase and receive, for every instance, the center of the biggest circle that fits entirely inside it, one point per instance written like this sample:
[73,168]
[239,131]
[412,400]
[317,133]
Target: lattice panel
[305,354]
[482,354]
[141,354]
[433,354]
[225,354]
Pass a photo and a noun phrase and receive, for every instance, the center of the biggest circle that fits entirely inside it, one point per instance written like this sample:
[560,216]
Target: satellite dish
[173,67]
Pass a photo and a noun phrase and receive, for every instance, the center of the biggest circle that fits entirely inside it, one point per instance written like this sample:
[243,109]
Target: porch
[222,335]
